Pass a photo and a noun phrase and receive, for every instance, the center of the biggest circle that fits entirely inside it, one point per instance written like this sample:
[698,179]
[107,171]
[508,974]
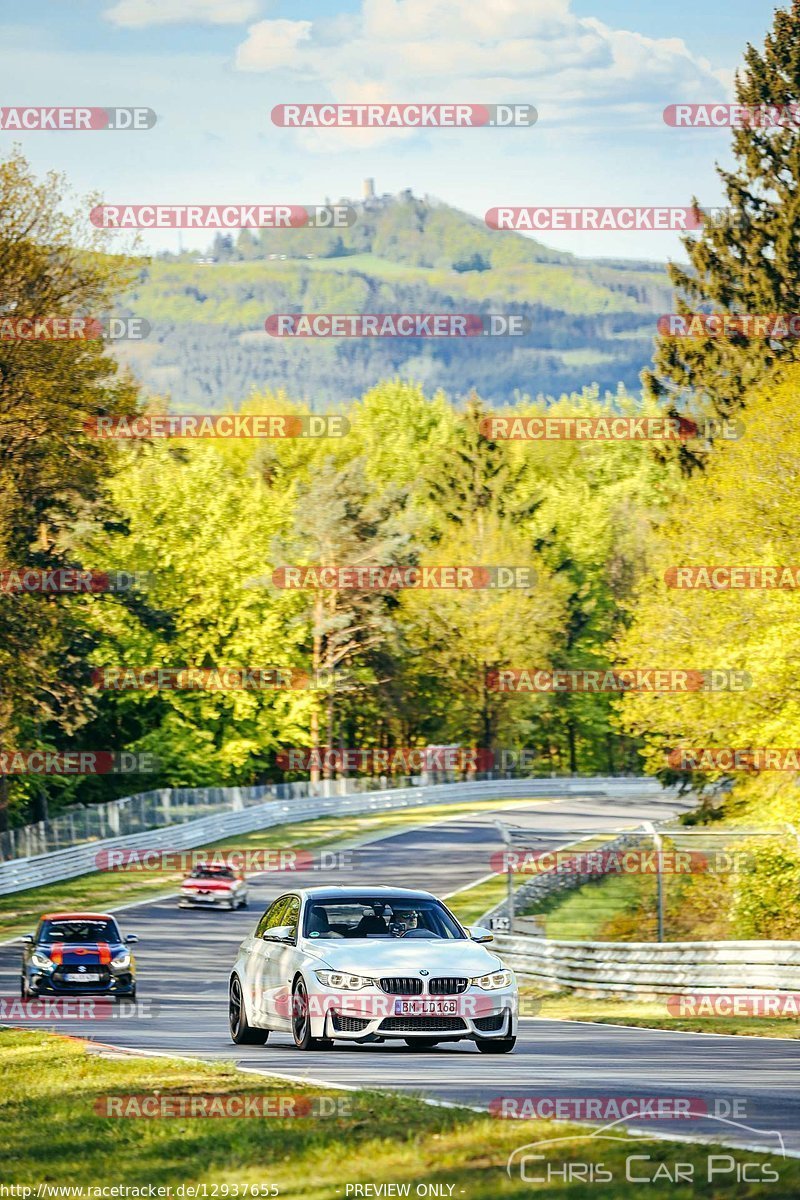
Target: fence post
[659,845]
[505,833]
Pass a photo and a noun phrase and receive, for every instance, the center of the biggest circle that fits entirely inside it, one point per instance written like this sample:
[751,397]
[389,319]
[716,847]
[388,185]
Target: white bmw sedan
[368,965]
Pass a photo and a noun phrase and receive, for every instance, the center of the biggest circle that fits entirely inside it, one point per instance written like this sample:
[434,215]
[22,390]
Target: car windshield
[212,873]
[79,931]
[394,917]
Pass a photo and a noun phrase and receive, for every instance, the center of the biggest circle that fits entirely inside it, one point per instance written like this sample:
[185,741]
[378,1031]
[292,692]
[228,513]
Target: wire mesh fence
[652,883]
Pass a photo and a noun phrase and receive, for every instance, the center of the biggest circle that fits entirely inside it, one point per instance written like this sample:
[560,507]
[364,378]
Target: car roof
[332,891]
[76,916]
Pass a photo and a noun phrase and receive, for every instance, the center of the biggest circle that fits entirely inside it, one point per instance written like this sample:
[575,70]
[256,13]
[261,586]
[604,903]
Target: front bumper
[46,984]
[220,900]
[369,1014]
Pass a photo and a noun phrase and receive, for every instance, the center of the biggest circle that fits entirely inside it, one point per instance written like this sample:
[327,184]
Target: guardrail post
[659,845]
[505,833]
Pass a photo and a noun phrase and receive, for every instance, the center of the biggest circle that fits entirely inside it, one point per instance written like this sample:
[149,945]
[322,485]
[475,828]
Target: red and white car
[213,886]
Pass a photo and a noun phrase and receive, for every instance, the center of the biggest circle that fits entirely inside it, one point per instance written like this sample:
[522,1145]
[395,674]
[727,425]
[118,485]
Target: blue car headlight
[42,963]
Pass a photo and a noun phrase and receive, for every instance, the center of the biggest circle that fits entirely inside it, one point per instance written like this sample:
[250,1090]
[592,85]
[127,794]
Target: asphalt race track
[184,959]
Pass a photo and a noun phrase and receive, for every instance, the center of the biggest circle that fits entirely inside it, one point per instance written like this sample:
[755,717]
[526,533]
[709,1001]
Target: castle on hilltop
[371,200]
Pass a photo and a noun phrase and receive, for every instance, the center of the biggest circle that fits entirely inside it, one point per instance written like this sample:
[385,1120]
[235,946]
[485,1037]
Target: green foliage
[741,510]
[52,475]
[766,900]
[750,262]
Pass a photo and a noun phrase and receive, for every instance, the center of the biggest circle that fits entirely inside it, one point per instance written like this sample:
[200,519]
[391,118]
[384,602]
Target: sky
[599,72]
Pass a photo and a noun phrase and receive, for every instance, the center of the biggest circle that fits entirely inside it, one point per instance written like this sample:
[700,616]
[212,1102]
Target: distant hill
[592,321]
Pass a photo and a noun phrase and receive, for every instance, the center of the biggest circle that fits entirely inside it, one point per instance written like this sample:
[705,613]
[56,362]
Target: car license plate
[88,978]
[425,1008]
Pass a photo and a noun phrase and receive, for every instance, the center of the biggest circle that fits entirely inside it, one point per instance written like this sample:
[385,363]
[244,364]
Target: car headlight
[42,962]
[340,979]
[122,961]
[497,979]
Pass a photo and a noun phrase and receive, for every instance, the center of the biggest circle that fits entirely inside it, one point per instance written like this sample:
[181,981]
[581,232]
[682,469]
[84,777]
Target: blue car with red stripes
[78,954]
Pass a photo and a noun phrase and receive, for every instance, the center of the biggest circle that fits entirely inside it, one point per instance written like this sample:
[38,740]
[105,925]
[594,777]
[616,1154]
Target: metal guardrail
[34,871]
[644,968]
[164,808]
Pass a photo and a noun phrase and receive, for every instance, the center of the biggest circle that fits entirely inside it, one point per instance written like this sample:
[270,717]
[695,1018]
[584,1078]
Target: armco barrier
[22,873]
[645,968]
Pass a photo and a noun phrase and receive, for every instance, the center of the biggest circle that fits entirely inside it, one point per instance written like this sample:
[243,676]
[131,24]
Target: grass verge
[51,1134]
[651,1014]
[470,903]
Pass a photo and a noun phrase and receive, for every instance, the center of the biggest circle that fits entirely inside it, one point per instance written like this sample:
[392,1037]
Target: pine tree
[750,262]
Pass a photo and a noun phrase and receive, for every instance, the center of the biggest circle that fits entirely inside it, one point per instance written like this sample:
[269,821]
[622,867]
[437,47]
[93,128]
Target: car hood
[397,957]
[80,953]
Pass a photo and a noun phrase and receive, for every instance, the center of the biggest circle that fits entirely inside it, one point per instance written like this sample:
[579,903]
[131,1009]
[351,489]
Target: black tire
[301,1022]
[244,903]
[23,990]
[496,1045]
[242,1034]
[420,1043]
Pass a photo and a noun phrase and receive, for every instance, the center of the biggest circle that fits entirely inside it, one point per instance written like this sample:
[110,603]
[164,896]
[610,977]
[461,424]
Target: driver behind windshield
[353,917]
[405,920]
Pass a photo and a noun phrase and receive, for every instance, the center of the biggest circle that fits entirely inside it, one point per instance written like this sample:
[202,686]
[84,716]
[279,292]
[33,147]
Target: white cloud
[483,51]
[272,45]
[138,14]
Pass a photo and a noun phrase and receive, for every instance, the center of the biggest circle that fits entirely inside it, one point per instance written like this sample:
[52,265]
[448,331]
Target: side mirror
[131,938]
[479,934]
[280,933]
[27,938]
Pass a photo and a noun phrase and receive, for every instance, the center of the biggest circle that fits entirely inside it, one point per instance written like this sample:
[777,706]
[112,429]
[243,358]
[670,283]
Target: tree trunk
[316,664]
[573,760]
